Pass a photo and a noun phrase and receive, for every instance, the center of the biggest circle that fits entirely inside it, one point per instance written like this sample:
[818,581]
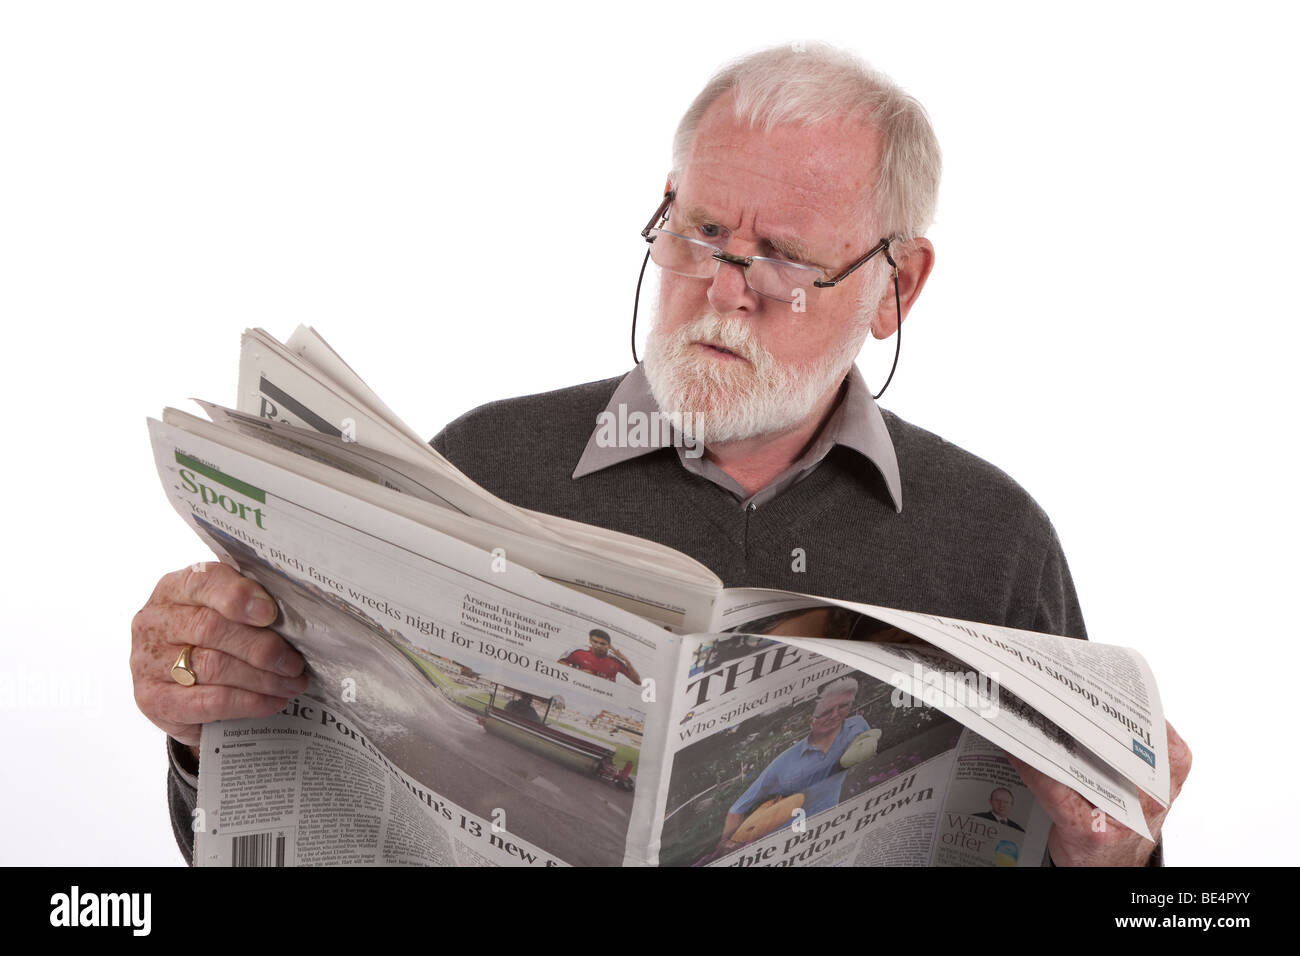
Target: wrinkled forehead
[813,179]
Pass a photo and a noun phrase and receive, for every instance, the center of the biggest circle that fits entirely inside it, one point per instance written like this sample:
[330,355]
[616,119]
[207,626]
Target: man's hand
[1075,841]
[244,669]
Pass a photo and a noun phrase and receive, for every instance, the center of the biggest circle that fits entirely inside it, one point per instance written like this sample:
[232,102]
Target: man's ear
[915,259]
[668,184]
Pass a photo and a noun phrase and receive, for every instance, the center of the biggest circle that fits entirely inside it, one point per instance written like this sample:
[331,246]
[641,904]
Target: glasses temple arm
[882,246]
[659,213]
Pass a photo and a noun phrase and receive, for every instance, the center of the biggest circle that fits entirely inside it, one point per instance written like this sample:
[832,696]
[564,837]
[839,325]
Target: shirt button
[752,506]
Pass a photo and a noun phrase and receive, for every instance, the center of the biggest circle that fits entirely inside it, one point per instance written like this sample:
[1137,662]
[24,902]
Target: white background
[453,200]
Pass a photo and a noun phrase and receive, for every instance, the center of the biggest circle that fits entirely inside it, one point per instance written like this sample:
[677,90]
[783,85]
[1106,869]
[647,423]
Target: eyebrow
[790,247]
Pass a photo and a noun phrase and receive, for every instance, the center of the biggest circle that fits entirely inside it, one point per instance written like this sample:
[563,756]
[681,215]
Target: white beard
[728,400]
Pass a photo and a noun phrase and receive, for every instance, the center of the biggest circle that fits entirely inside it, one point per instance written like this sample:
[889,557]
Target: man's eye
[710,231]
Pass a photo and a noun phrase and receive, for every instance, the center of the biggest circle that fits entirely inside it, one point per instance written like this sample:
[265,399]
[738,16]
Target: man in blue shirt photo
[810,766]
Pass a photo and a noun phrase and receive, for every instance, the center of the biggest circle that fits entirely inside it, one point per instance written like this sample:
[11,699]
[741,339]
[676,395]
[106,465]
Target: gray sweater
[968,543]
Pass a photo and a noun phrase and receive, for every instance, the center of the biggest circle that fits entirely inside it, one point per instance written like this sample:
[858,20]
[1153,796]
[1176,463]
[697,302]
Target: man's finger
[1069,810]
[205,703]
[211,666]
[1180,761]
[162,630]
[221,588]
[1065,807]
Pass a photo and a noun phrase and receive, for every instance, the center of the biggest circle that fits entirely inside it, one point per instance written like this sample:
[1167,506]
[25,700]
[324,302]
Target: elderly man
[810,767]
[790,231]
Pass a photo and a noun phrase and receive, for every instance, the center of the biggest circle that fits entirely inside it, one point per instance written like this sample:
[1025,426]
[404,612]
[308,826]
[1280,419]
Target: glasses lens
[784,281]
[683,256]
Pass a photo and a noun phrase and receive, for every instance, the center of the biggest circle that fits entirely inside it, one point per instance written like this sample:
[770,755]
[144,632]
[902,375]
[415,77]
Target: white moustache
[734,335]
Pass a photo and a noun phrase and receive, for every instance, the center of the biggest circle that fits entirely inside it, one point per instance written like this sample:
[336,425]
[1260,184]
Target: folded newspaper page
[491,689]
[978,692]
[280,383]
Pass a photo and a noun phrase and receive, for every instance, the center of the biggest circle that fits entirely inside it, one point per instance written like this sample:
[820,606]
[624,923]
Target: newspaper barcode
[257,849]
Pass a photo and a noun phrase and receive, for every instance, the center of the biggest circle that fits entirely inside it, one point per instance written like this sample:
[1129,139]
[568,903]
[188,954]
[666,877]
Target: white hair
[838,688]
[807,83]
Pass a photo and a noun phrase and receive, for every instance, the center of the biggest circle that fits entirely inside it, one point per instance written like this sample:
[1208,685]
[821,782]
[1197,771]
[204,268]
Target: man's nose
[729,292]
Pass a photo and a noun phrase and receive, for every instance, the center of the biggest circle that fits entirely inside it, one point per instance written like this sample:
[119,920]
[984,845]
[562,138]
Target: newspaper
[491,687]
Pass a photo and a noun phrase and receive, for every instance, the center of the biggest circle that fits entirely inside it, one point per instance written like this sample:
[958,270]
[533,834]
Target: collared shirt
[633,425]
[803,768]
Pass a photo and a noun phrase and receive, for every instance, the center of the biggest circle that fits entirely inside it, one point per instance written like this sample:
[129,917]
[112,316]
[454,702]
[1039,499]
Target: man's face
[599,646]
[1000,802]
[794,192]
[831,712]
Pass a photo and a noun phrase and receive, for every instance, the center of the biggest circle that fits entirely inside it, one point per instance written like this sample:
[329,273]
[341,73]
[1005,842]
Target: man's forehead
[793,179]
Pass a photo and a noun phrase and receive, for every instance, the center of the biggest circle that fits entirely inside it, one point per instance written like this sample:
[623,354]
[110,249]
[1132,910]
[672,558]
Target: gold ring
[182,673]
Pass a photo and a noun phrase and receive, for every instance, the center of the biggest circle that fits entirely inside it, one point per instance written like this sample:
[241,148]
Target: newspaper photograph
[790,758]
[990,818]
[790,753]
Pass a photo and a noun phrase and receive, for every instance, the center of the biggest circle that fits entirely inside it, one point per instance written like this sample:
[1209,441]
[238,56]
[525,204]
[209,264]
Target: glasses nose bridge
[722,255]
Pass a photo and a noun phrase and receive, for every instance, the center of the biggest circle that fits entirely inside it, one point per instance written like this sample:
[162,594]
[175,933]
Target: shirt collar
[631,425]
